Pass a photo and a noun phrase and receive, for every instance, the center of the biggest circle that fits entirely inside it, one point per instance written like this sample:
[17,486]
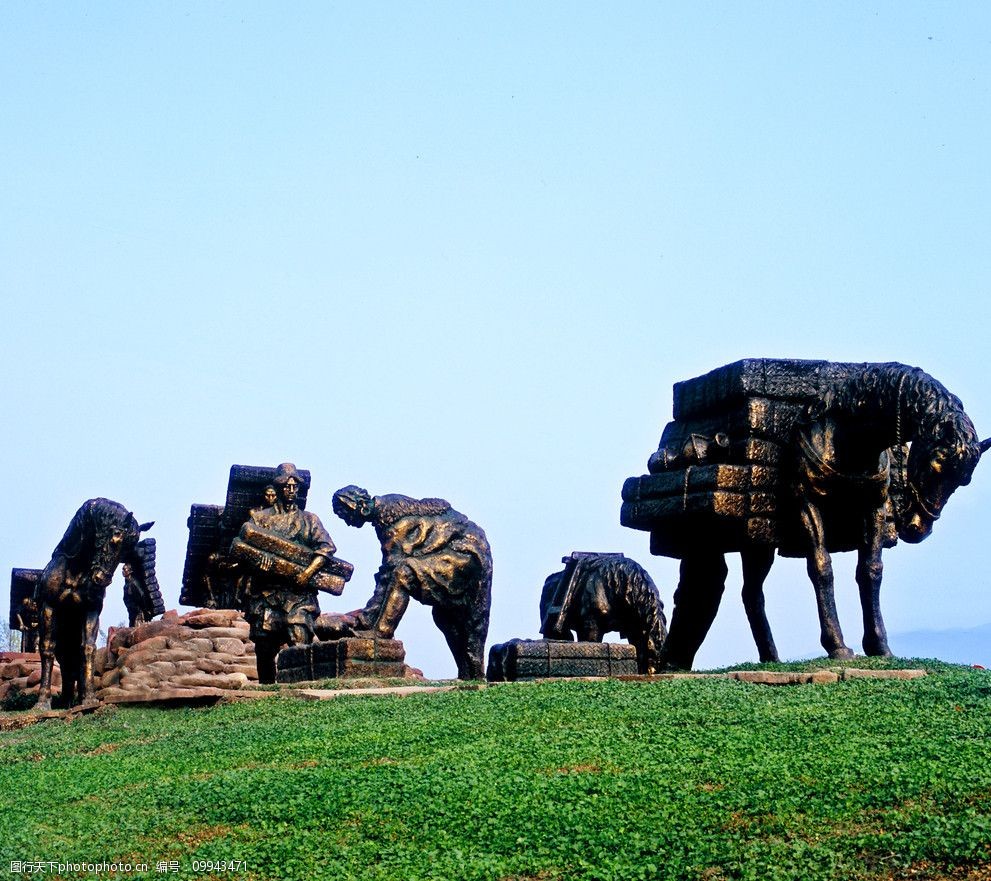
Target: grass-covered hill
[694,779]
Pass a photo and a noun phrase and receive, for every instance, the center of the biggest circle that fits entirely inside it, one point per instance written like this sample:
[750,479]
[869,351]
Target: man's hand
[315,565]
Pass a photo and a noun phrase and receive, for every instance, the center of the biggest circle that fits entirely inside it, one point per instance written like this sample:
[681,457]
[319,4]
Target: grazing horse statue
[598,593]
[70,593]
[848,451]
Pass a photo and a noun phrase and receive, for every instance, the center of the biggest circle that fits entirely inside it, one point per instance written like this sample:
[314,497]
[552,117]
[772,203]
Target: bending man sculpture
[434,554]
[282,612]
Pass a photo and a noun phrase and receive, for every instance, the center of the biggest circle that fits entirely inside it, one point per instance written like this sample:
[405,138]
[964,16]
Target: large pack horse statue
[806,457]
[70,592]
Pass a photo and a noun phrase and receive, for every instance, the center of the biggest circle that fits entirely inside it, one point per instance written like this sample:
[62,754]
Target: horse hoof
[842,654]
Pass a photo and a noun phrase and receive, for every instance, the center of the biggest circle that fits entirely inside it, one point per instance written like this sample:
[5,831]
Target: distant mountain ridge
[970,645]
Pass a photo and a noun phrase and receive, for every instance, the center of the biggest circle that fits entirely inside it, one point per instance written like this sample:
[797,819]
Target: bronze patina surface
[598,593]
[70,591]
[806,457]
[435,555]
[265,555]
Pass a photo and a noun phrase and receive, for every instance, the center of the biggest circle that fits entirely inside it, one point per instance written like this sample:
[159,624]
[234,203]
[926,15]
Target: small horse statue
[70,593]
[598,593]
[846,453]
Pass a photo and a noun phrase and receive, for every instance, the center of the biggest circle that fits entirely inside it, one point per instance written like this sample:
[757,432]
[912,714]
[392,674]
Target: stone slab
[323,694]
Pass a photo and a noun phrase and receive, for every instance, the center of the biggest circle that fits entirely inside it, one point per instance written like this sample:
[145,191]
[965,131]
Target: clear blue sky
[464,250]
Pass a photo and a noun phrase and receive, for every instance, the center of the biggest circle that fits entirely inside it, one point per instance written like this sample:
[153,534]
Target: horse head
[115,533]
[936,467]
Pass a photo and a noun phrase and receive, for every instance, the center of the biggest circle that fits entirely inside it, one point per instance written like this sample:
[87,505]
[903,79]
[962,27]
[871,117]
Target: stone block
[249,670]
[213,618]
[178,654]
[208,665]
[853,673]
[769,677]
[228,646]
[110,678]
[154,644]
[138,657]
[152,628]
[231,681]
[143,678]
[219,633]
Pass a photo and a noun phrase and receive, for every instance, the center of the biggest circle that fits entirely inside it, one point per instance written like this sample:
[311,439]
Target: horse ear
[144,527]
[985,445]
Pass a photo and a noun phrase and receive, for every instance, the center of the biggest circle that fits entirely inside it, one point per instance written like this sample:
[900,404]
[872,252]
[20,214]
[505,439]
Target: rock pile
[21,672]
[204,654]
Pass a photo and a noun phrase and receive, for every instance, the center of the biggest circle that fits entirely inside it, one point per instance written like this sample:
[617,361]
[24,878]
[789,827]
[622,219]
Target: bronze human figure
[281,609]
[598,593]
[434,554]
[818,457]
[70,591]
[142,595]
[23,609]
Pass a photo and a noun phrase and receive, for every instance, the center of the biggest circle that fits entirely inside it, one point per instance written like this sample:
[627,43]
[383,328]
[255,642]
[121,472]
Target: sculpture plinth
[347,658]
[549,658]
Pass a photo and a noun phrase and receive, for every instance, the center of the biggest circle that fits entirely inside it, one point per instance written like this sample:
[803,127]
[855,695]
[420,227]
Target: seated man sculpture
[429,552]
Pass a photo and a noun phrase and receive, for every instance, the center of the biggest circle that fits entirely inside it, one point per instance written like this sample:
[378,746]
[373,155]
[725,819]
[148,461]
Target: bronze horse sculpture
[847,452]
[71,590]
[598,593]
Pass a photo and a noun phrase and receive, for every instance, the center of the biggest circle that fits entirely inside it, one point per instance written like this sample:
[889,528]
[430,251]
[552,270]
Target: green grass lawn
[709,779]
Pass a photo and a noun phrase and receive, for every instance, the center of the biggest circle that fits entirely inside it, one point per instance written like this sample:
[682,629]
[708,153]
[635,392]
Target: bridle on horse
[901,463]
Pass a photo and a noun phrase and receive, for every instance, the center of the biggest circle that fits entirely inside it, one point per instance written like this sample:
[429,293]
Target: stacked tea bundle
[719,476]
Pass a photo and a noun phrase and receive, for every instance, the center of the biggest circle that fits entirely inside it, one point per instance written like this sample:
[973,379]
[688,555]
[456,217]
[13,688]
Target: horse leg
[756,562]
[590,630]
[91,629]
[646,651]
[820,568]
[696,601]
[869,569]
[46,646]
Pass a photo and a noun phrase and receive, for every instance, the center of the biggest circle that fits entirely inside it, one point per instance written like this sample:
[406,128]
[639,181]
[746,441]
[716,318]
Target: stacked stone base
[200,656]
[342,658]
[20,673]
[550,658]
